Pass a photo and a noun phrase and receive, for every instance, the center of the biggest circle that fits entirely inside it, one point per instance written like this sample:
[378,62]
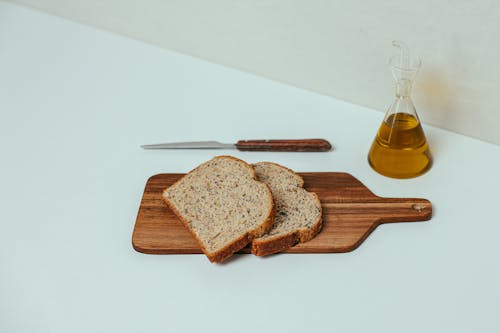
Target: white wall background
[338,48]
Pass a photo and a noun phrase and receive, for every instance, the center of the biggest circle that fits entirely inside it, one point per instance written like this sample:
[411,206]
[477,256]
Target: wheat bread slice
[223,205]
[298,212]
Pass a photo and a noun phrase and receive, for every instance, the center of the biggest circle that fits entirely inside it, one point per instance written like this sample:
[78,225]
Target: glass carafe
[400,149]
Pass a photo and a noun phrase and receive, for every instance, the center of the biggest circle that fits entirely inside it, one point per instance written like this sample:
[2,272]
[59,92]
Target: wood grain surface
[302,145]
[350,213]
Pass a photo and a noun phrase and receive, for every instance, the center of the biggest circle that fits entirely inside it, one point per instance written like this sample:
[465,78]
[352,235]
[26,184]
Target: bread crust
[264,247]
[239,243]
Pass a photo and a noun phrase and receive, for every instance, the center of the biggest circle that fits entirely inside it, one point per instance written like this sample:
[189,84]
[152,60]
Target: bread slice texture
[223,205]
[298,212]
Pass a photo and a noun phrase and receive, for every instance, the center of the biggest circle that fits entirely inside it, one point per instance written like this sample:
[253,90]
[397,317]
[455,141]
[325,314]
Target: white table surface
[76,103]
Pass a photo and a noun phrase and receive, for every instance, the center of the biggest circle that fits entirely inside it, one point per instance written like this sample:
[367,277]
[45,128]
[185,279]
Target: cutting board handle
[405,210]
[387,210]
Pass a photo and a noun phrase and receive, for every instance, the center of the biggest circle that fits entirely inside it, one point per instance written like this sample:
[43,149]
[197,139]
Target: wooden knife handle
[284,145]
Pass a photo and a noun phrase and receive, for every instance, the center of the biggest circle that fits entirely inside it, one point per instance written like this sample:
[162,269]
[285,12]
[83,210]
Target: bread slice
[298,212]
[223,205]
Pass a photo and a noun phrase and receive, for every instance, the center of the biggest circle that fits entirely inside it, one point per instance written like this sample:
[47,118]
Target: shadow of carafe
[435,96]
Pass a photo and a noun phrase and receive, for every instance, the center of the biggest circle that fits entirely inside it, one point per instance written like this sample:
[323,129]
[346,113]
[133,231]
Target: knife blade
[297,145]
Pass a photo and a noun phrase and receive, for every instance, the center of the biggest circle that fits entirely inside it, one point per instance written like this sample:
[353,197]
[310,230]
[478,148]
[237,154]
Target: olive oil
[400,149]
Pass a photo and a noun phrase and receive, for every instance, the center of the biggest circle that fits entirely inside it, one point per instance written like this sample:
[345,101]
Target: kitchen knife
[299,145]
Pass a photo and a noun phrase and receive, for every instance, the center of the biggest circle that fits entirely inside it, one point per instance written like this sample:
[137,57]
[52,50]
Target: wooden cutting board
[350,213]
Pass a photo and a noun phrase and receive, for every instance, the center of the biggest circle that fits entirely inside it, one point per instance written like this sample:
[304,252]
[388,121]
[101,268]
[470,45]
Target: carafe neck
[403,88]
